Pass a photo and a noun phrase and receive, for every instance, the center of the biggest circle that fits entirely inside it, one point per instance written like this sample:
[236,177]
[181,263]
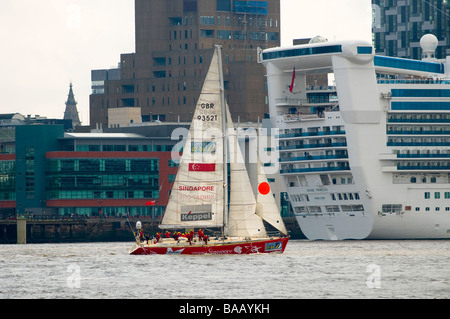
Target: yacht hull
[219,247]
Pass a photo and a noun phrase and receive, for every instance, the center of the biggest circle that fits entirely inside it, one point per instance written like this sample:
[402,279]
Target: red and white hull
[227,247]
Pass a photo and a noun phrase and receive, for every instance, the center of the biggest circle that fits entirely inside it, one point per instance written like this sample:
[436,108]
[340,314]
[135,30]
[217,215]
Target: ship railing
[308,146]
[316,169]
[418,143]
[412,81]
[274,233]
[302,117]
[433,155]
[289,101]
[306,134]
[420,120]
[311,158]
[432,132]
[320,88]
[423,167]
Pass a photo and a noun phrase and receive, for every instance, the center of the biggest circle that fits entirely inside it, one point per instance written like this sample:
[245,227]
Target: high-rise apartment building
[398,26]
[174,45]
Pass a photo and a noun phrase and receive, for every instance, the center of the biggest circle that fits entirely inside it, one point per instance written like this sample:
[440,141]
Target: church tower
[71,112]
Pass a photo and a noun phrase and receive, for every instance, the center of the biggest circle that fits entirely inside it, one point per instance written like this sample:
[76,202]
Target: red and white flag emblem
[201,167]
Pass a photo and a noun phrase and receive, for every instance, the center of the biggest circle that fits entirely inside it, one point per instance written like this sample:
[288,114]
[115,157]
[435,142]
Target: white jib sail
[266,207]
[196,199]
[242,219]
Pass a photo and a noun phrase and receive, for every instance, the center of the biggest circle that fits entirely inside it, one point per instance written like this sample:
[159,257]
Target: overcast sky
[47,44]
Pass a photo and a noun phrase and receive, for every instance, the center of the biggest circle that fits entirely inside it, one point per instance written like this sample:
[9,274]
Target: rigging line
[445,13]
[134,234]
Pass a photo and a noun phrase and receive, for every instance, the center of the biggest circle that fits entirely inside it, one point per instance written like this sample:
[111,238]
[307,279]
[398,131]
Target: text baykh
[226,309]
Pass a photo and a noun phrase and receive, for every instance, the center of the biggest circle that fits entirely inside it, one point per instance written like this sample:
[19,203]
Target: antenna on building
[429,43]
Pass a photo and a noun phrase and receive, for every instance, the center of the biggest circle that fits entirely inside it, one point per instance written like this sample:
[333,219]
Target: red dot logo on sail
[264,188]
[202,167]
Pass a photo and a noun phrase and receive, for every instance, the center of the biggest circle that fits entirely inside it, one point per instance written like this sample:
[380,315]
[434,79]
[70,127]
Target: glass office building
[86,174]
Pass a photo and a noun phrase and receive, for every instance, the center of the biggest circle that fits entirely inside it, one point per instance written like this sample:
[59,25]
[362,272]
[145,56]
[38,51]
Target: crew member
[189,237]
[200,234]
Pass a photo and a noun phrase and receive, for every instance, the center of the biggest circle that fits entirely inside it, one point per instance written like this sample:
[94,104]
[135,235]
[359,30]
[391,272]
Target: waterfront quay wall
[66,230]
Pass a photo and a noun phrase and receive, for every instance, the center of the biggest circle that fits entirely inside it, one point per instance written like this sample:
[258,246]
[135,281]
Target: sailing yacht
[212,188]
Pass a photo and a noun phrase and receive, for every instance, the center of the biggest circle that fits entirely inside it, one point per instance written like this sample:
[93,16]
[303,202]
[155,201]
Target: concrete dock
[66,230]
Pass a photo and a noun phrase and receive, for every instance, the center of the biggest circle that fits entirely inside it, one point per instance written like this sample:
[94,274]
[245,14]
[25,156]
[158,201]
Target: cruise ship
[369,156]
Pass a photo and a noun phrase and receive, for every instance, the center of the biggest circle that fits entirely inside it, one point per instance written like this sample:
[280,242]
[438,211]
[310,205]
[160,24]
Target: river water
[344,269]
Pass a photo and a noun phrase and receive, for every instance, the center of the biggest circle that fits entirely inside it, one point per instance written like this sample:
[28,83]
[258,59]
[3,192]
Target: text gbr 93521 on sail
[208,193]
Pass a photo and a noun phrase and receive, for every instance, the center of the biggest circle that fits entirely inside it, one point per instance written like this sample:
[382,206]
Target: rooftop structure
[71,112]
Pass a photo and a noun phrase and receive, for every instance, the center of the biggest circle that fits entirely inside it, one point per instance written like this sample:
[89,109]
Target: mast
[224,137]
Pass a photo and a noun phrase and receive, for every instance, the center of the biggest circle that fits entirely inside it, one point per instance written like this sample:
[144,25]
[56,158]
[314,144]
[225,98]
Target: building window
[224,5]
[239,35]
[273,36]
[437,195]
[206,33]
[207,20]
[427,195]
[91,177]
[224,34]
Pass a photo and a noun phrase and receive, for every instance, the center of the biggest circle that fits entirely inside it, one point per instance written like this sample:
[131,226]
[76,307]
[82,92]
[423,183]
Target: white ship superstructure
[370,156]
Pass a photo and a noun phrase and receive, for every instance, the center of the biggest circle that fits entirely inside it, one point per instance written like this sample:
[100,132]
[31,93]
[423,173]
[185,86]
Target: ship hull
[335,228]
[379,226]
[411,226]
[233,247]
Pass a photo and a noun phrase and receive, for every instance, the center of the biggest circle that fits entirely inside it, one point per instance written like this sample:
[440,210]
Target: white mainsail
[196,199]
[266,207]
